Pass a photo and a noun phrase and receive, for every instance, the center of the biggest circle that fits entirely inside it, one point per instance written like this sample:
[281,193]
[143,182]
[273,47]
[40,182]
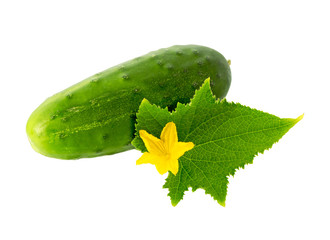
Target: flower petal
[162,166]
[153,144]
[174,165]
[169,136]
[146,158]
[180,148]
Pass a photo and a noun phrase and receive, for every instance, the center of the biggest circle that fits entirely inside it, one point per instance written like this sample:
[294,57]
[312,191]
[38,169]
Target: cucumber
[97,115]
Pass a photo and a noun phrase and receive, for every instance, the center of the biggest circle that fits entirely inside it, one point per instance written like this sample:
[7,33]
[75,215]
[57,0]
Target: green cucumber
[96,116]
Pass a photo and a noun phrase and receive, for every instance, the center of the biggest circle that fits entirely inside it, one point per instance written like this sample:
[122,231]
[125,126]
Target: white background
[280,64]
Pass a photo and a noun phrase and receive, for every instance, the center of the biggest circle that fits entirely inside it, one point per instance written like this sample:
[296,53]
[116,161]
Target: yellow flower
[165,152]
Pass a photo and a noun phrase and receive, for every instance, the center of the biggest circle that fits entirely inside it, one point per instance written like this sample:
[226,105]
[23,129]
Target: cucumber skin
[97,115]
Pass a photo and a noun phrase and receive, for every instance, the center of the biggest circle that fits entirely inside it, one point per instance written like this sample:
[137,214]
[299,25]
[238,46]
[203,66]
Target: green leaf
[226,135]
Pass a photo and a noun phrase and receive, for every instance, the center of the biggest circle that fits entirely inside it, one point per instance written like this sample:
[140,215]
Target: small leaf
[227,136]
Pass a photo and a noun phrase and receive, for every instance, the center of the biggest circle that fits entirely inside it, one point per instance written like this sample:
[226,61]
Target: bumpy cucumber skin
[96,116]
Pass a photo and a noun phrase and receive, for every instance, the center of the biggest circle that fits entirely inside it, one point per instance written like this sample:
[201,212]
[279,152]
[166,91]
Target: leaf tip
[222,203]
[300,117]
[174,203]
[207,82]
[144,101]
